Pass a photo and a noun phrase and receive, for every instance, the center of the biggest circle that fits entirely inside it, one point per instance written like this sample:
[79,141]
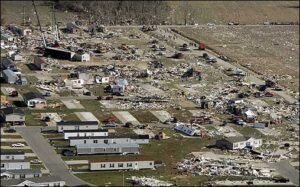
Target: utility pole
[123,179]
[55,24]
[38,19]
[23,14]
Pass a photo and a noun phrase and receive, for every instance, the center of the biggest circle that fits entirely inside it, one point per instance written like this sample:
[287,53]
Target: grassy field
[11,136]
[10,143]
[13,150]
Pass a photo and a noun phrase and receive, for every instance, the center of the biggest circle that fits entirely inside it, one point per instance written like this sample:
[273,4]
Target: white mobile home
[12,115]
[238,142]
[187,129]
[77,125]
[84,149]
[101,79]
[142,139]
[12,155]
[21,173]
[74,83]
[85,133]
[121,165]
[17,57]
[37,181]
[34,99]
[82,57]
[14,164]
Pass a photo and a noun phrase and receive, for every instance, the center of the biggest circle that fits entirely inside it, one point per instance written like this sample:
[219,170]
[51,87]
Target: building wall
[85,57]
[58,54]
[103,150]
[74,142]
[39,63]
[15,165]
[17,57]
[12,157]
[84,134]
[14,118]
[61,128]
[19,176]
[240,145]
[57,183]
[128,165]
[224,143]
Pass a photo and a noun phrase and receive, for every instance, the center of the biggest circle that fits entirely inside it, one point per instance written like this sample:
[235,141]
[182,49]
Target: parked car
[11,131]
[18,145]
[211,59]
[241,122]
[67,152]
[268,94]
[13,93]
[278,88]
[47,94]
[87,93]
[35,161]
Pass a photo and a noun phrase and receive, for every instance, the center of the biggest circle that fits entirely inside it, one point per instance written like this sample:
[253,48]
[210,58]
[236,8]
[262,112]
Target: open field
[247,12]
[12,12]
[266,50]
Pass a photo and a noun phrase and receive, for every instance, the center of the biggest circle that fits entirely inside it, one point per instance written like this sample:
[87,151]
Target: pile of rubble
[219,167]
[146,181]
[143,105]
[149,28]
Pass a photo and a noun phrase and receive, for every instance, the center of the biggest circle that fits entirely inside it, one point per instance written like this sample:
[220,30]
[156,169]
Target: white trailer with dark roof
[77,125]
[85,133]
[121,165]
[12,155]
[139,139]
[88,149]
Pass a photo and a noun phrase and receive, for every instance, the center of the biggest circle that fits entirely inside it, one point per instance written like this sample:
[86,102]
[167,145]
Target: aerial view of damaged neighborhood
[149,93]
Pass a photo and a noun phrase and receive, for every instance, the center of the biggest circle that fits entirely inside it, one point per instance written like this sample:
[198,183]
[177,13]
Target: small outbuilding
[12,115]
[34,99]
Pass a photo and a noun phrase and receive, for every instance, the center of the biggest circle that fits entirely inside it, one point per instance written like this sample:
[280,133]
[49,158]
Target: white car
[18,145]
[35,161]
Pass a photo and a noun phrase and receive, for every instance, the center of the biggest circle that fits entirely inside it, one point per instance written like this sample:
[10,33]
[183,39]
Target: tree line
[119,12]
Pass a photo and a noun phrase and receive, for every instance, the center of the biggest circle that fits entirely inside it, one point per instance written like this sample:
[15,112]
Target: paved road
[201,25]
[48,156]
[285,169]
